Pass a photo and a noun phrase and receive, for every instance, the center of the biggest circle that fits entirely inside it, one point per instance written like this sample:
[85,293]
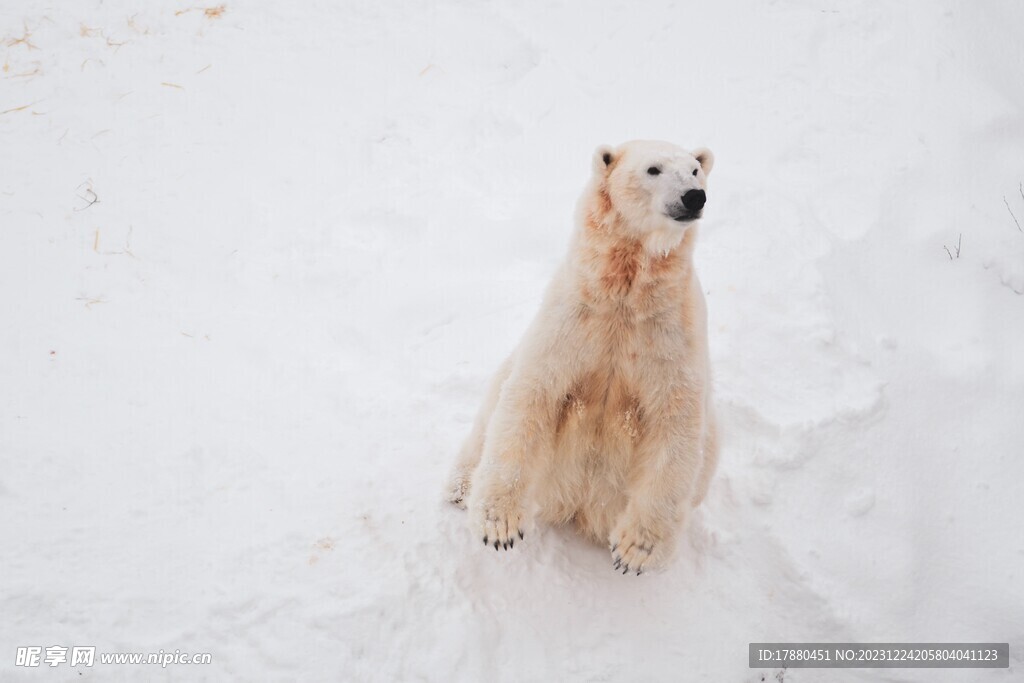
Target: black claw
[505,546]
[512,543]
[521,537]
[639,572]
[485,540]
[615,547]
[618,563]
[495,545]
[625,570]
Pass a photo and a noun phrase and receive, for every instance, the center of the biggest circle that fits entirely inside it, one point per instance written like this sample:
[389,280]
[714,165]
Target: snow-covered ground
[257,263]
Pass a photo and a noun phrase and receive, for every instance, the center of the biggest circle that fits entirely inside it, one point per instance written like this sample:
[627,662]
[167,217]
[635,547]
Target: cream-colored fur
[602,416]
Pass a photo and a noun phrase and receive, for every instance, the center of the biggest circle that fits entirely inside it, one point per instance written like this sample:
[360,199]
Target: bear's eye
[653,170]
[694,171]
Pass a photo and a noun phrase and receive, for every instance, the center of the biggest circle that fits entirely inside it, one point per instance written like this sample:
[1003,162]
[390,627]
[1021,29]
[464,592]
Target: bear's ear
[705,158]
[604,157]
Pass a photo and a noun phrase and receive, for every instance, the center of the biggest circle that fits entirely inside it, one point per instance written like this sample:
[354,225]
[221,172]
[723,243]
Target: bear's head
[649,186]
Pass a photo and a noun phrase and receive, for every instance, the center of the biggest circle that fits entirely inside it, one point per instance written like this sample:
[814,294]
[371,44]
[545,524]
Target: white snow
[258,265]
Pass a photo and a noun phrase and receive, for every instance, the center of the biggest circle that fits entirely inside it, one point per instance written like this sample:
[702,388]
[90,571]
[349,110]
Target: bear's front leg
[642,539]
[498,495]
[645,533]
[517,434]
[457,490]
[501,517]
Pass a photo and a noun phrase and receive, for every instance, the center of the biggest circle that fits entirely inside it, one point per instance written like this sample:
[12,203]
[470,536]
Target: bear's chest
[626,362]
[602,403]
[634,332]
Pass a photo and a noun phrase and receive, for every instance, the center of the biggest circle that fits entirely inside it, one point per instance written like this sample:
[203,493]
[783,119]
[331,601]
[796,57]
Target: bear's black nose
[694,200]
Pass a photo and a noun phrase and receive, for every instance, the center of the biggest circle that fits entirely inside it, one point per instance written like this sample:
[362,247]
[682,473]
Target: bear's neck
[613,263]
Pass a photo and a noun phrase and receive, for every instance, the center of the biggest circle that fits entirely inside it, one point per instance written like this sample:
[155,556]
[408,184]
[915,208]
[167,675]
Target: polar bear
[602,416]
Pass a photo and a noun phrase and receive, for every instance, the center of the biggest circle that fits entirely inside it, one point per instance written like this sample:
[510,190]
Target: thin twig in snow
[89,196]
[957,248]
[1011,214]
[126,251]
[29,75]
[134,26]
[210,12]
[21,108]
[90,300]
[24,40]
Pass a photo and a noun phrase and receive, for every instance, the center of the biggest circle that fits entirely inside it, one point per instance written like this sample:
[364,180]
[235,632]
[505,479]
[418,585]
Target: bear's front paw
[499,522]
[633,546]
